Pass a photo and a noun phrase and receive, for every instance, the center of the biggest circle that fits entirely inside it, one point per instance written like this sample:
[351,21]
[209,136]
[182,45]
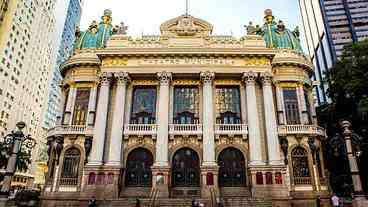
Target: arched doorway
[232,168]
[138,168]
[185,168]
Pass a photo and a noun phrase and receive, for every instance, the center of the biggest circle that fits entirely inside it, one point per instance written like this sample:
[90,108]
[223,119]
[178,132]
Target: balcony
[301,130]
[140,129]
[231,129]
[71,130]
[185,129]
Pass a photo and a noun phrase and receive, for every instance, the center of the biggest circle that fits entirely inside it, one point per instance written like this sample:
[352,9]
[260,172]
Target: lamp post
[359,200]
[18,142]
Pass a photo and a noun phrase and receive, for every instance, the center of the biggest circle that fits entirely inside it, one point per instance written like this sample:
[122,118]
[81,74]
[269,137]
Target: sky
[227,16]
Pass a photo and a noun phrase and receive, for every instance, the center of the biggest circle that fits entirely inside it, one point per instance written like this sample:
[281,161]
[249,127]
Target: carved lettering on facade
[187,61]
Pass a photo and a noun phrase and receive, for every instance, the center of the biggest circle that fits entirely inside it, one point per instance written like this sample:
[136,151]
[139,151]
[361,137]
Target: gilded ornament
[115,61]
[257,61]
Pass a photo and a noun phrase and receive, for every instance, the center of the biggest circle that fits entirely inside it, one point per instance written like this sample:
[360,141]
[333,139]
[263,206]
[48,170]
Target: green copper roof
[275,34]
[97,34]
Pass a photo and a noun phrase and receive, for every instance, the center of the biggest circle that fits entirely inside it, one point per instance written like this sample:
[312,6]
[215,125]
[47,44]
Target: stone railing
[70,130]
[140,129]
[231,129]
[301,129]
[302,181]
[69,181]
[185,129]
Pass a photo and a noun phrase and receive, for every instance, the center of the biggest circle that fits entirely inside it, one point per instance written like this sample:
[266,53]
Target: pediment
[186,25]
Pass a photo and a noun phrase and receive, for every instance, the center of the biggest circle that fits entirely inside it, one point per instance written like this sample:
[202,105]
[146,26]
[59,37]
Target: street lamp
[354,170]
[18,142]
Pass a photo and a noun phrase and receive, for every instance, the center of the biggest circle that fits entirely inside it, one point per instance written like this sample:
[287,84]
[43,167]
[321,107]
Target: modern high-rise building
[330,25]
[68,18]
[26,56]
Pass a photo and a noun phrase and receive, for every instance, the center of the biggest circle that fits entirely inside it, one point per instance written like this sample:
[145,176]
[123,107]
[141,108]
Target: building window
[69,175]
[300,165]
[269,178]
[144,106]
[308,105]
[91,178]
[291,106]
[186,105]
[228,105]
[81,106]
[278,178]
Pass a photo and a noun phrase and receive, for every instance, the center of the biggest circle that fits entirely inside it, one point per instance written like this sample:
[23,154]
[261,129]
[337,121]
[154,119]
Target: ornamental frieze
[115,61]
[257,61]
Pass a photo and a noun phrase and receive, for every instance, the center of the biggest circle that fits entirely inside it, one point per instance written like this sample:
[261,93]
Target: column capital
[207,77]
[250,77]
[122,78]
[266,78]
[105,78]
[164,77]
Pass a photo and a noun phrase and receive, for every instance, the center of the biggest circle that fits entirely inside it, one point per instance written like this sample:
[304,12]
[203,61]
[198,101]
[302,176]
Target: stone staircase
[167,202]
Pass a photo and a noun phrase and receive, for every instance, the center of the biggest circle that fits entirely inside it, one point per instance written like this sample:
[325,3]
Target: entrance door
[138,171]
[185,168]
[232,168]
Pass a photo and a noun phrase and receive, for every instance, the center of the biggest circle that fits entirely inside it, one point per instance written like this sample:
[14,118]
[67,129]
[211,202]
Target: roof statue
[97,34]
[186,25]
[275,34]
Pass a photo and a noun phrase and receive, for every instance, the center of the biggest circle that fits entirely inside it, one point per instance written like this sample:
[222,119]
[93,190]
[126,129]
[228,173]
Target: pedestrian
[137,203]
[92,202]
[193,203]
[335,200]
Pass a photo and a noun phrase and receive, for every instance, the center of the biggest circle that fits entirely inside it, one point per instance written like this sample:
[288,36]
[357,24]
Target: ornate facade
[187,115]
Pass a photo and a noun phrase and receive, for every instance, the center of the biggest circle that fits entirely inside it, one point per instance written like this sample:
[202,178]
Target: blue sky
[227,16]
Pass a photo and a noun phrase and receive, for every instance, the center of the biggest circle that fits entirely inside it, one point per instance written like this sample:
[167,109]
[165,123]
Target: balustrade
[302,181]
[68,181]
[70,129]
[301,129]
[140,129]
[231,129]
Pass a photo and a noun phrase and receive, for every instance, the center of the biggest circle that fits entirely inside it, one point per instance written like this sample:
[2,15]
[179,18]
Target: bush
[27,198]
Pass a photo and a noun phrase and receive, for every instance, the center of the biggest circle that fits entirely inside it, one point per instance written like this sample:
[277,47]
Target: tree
[348,91]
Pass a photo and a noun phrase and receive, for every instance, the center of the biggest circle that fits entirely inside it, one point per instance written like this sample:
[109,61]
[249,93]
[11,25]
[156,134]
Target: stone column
[92,106]
[160,169]
[208,120]
[163,120]
[209,168]
[354,169]
[115,151]
[101,121]
[253,120]
[280,105]
[69,106]
[61,108]
[271,123]
[302,105]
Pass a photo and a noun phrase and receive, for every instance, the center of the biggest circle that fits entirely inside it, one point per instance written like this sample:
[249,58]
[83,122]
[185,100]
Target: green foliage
[348,90]
[27,198]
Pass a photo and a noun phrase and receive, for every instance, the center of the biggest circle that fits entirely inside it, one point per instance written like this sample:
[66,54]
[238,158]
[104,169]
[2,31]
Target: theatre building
[187,114]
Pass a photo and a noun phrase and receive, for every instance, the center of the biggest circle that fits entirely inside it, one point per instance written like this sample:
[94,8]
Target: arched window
[300,165]
[92,178]
[232,168]
[138,171]
[69,175]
